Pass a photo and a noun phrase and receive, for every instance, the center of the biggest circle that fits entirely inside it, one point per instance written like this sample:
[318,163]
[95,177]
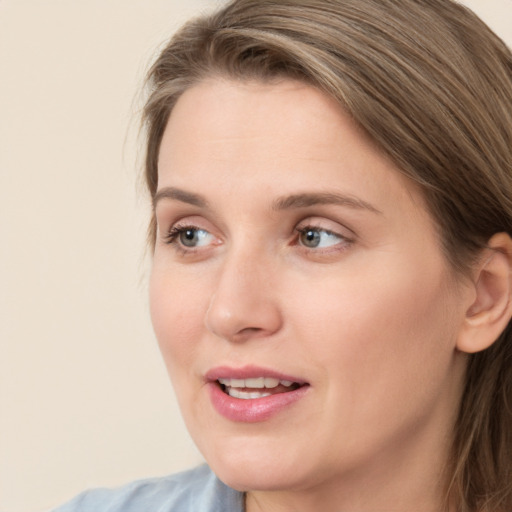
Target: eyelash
[343,240]
[175,231]
[171,238]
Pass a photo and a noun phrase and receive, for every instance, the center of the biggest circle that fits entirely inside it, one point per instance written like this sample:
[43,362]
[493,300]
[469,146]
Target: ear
[488,315]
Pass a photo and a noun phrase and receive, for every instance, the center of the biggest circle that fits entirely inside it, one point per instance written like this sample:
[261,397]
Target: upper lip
[248,372]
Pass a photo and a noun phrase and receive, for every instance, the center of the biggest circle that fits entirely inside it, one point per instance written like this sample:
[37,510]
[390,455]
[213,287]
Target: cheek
[381,330]
[177,314]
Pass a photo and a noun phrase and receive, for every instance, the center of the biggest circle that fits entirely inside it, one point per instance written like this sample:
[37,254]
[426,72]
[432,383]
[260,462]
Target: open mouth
[259,387]
[253,394]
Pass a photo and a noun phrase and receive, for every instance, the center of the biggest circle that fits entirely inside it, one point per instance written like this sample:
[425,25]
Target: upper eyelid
[166,210]
[325,230]
[167,216]
[199,222]
[167,222]
[319,223]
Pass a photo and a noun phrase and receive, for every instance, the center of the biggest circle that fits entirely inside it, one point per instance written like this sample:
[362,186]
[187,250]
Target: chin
[259,469]
[257,477]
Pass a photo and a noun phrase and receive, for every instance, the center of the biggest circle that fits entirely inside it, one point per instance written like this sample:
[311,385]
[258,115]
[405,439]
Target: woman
[331,276]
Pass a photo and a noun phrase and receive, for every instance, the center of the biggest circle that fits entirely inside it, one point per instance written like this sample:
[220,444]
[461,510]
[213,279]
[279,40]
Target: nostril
[248,331]
[241,309]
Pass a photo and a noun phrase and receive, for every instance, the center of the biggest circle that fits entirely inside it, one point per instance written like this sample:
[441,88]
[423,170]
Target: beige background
[84,398]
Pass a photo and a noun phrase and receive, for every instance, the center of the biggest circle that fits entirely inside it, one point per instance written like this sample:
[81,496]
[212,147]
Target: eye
[189,237]
[318,238]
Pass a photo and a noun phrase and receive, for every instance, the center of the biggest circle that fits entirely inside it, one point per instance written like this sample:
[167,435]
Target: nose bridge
[244,303]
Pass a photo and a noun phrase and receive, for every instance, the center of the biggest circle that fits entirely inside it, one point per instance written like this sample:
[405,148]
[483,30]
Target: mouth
[256,387]
[253,394]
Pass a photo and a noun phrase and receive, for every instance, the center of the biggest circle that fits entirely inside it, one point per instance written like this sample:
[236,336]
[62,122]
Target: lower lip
[252,410]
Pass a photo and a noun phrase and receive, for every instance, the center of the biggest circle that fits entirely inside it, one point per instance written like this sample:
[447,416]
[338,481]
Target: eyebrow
[312,199]
[180,195]
[303,200]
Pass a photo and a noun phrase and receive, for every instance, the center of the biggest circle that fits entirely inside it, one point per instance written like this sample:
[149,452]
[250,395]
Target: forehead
[289,133]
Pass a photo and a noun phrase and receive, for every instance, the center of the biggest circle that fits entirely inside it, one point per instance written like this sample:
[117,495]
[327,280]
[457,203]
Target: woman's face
[292,254]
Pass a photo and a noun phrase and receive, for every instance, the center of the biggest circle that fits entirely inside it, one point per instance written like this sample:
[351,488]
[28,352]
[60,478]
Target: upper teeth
[258,382]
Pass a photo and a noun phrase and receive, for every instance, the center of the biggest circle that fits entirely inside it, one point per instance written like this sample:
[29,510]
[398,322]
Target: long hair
[431,84]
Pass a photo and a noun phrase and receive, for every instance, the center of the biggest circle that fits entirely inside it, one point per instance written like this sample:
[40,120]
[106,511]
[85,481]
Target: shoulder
[194,490]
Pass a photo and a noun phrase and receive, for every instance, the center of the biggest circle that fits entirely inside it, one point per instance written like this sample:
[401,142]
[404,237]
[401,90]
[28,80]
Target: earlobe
[488,315]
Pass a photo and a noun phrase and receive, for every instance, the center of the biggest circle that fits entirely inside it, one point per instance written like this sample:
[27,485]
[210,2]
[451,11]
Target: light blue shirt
[197,490]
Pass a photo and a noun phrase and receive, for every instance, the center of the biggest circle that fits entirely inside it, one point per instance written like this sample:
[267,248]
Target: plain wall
[84,398]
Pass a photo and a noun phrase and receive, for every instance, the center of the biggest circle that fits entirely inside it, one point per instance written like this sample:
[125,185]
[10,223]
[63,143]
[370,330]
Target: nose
[244,304]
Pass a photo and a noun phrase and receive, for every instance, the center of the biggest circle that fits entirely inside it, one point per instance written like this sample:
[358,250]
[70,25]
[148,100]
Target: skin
[370,317]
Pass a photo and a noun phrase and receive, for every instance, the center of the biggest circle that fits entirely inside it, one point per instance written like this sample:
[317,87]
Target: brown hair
[432,85]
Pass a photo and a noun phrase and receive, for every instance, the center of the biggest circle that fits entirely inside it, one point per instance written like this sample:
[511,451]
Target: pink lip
[252,410]
[248,372]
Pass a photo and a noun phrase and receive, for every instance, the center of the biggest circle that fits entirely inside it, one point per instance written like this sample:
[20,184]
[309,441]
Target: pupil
[189,237]
[311,238]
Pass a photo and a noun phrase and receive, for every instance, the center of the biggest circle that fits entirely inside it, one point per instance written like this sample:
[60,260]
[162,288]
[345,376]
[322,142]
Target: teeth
[271,383]
[255,383]
[246,395]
